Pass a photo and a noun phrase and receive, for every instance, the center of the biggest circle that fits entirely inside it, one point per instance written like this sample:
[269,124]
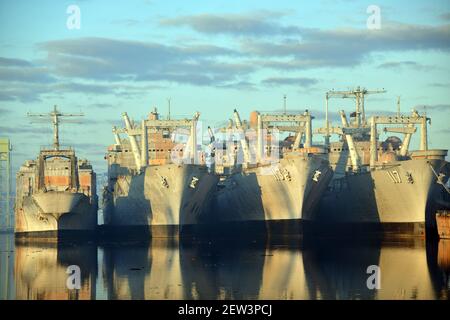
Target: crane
[358,94]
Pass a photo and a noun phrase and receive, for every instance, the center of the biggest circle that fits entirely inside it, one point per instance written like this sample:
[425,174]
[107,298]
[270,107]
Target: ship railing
[50,147]
[281,112]
[172,117]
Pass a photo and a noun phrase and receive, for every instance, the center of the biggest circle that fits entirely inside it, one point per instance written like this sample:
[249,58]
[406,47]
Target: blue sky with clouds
[213,56]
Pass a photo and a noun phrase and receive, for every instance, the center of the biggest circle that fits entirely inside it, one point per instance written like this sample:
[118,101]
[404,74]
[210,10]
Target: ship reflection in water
[168,269]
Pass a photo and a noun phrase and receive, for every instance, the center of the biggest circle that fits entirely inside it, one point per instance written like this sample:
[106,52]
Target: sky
[212,57]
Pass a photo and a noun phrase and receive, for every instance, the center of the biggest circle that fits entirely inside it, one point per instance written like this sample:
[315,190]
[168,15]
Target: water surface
[258,269]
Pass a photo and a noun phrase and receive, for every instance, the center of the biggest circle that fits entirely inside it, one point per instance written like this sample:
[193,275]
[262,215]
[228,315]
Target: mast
[168,105]
[359,94]
[54,116]
[194,155]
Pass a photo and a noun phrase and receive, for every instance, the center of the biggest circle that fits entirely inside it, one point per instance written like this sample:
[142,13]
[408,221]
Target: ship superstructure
[57,191]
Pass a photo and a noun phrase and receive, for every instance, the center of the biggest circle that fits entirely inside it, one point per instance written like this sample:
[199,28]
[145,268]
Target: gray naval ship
[269,186]
[157,187]
[380,186]
[56,193]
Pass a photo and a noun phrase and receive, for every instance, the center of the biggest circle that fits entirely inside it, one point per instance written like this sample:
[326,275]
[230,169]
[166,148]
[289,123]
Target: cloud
[32,92]
[399,65]
[443,131]
[6,97]
[440,85]
[259,23]
[293,64]
[201,73]
[377,112]
[20,129]
[129,91]
[89,65]
[83,88]
[116,60]
[347,46]
[445,16]
[25,73]
[29,92]
[301,82]
[5,110]
[92,121]
[239,85]
[8,62]
[435,107]
[102,59]
[102,105]
[23,81]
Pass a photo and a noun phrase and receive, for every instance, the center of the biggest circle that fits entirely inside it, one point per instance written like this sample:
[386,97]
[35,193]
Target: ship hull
[271,201]
[52,213]
[159,202]
[382,201]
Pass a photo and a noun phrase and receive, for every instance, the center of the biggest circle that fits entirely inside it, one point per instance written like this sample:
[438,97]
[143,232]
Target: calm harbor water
[169,269]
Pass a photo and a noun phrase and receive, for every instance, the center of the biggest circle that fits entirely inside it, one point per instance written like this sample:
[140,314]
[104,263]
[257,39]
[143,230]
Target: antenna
[54,116]
[284,103]
[168,104]
[398,106]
